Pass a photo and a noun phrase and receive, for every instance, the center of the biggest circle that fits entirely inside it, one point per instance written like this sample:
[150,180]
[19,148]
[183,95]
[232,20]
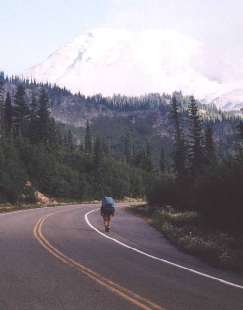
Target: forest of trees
[199,167]
[202,180]
[33,147]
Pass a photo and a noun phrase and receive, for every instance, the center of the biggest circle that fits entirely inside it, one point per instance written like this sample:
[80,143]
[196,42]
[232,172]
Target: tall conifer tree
[128,148]
[70,143]
[179,155]
[8,115]
[148,165]
[196,155]
[34,120]
[98,151]
[209,145]
[44,117]
[240,141]
[1,103]
[88,139]
[21,111]
[162,160]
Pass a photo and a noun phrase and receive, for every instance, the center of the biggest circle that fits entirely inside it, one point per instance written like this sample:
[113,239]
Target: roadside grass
[7,207]
[189,232]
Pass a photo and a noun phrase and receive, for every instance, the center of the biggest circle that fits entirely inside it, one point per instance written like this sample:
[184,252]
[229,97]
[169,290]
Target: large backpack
[108,204]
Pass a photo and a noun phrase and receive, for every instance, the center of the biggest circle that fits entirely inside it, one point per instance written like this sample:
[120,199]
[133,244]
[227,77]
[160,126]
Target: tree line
[201,179]
[199,168]
[33,147]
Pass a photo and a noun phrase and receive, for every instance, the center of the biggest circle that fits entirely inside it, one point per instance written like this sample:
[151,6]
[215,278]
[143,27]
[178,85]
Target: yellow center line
[141,302]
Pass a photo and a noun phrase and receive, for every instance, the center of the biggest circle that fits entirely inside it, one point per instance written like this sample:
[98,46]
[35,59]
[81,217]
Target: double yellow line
[139,301]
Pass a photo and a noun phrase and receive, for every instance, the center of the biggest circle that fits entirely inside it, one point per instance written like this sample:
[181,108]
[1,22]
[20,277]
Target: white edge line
[157,258]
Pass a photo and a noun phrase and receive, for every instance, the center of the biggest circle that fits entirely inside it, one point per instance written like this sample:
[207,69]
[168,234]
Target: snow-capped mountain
[112,61]
[231,100]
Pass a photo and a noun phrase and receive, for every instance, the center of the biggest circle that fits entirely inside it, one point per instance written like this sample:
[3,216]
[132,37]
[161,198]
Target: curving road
[59,258]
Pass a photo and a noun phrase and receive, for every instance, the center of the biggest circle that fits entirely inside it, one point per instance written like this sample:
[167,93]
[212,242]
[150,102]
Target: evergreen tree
[240,129]
[179,155]
[8,115]
[148,165]
[34,107]
[139,159]
[43,117]
[209,145]
[196,155]
[81,147]
[105,147]
[143,159]
[1,103]
[88,139]
[54,136]
[70,143]
[98,152]
[128,148]
[162,160]
[34,121]
[240,141]
[13,173]
[21,111]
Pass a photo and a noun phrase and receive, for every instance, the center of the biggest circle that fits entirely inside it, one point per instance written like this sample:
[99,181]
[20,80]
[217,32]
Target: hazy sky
[30,29]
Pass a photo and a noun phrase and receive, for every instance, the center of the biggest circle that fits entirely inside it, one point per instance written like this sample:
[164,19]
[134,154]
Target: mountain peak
[112,60]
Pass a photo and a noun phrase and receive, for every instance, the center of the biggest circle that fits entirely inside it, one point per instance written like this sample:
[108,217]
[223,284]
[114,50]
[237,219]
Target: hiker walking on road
[107,211]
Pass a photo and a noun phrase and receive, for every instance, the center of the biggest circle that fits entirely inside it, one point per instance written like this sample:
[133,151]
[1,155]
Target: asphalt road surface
[58,258]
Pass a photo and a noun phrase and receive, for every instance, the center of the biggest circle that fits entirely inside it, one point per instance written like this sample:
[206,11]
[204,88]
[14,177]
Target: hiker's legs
[107,221]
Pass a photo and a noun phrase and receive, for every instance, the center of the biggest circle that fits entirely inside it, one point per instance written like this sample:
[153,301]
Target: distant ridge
[117,61]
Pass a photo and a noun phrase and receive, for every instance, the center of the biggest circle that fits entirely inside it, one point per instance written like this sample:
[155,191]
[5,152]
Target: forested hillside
[172,148]
[119,118]
[34,147]
[203,180]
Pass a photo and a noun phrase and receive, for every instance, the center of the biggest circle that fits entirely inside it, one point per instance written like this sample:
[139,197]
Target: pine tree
[34,121]
[128,148]
[162,160]
[179,155]
[196,155]
[98,151]
[209,145]
[240,141]
[240,129]
[34,107]
[139,159]
[21,111]
[43,117]
[148,165]
[8,115]
[54,135]
[1,103]
[81,147]
[105,147]
[70,143]
[88,139]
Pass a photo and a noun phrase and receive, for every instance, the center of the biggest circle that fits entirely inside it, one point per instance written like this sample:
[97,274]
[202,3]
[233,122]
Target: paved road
[52,259]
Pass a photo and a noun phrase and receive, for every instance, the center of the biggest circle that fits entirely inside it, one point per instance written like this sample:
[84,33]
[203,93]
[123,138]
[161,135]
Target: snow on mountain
[112,61]
[231,100]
